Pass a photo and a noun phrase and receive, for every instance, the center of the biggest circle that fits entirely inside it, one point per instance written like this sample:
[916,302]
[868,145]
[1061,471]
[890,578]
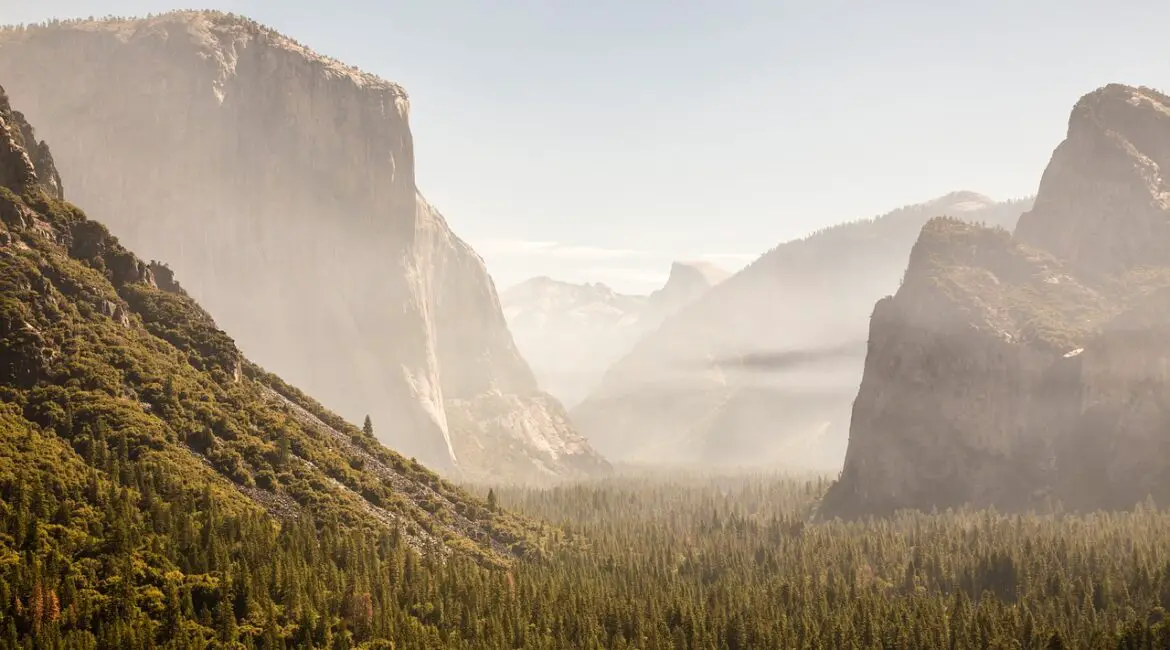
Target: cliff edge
[1011,370]
[280,185]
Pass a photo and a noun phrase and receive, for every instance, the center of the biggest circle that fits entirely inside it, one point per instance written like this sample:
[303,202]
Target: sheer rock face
[762,369]
[1103,202]
[1116,453]
[1007,370]
[290,209]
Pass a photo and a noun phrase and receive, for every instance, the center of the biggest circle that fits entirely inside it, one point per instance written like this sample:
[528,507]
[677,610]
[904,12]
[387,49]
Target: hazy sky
[599,139]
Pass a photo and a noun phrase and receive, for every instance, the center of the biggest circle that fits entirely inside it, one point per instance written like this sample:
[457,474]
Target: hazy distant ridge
[571,333]
[696,392]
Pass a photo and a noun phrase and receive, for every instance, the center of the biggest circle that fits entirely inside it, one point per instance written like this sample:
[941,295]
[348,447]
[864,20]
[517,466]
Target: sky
[599,140]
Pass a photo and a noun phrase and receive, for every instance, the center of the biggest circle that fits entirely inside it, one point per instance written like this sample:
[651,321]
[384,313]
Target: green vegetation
[158,489]
[734,562]
[713,563]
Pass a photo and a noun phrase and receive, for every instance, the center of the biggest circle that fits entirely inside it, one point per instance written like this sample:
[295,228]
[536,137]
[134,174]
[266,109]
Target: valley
[941,426]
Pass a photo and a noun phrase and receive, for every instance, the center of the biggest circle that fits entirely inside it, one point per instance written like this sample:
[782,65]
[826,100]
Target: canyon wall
[1020,370]
[279,184]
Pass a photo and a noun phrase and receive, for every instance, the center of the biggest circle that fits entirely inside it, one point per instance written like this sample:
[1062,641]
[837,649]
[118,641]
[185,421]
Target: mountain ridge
[280,168]
[571,332]
[1011,370]
[695,391]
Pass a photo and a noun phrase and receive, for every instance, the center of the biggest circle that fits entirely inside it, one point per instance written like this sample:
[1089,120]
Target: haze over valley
[654,327]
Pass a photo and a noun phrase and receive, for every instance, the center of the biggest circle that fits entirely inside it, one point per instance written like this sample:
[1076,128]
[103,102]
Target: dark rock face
[18,169]
[1007,370]
[279,184]
[164,278]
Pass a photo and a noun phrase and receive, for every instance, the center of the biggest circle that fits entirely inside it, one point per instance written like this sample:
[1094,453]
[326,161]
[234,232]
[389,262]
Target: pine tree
[368,427]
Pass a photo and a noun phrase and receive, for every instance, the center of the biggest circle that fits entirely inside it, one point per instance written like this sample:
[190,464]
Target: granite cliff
[571,333]
[1012,370]
[279,184]
[113,380]
[762,369]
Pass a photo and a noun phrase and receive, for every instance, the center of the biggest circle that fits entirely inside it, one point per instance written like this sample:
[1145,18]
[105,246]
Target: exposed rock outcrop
[25,162]
[1103,201]
[1009,370]
[572,333]
[280,185]
[762,368]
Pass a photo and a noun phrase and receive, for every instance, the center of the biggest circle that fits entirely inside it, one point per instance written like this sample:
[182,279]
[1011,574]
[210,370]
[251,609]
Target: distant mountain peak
[570,333]
[688,270]
[666,402]
[687,281]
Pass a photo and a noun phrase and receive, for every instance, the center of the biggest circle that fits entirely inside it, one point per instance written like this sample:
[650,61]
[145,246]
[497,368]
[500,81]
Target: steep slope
[132,432]
[762,369]
[280,186]
[571,333]
[1007,370]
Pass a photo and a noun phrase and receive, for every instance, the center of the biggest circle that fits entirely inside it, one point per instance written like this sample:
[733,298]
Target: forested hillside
[159,487]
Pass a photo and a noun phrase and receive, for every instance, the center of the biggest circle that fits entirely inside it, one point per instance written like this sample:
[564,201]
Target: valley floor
[712,562]
[734,562]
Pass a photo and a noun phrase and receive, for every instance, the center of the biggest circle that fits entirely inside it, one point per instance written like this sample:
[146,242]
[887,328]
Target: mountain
[279,184]
[152,475]
[762,369]
[1012,370]
[571,333]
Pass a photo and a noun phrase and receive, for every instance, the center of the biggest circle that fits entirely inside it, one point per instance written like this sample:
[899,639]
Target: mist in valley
[663,359]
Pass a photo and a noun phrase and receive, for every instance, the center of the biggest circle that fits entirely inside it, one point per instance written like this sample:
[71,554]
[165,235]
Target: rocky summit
[572,333]
[279,184]
[762,369]
[1020,370]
